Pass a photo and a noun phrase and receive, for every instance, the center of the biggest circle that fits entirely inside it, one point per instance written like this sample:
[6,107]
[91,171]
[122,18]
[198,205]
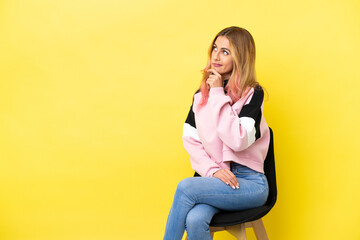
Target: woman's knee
[185,185]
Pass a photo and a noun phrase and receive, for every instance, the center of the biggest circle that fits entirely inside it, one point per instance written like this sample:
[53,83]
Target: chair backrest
[269,169]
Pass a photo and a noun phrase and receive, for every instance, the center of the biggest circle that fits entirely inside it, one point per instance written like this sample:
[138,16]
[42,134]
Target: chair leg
[259,229]
[213,230]
[242,232]
[237,231]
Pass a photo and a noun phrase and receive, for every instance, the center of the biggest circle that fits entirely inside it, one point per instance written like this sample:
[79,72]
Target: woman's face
[221,59]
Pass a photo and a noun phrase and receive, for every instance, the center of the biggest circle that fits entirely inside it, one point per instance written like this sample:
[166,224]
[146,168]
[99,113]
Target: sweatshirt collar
[225,82]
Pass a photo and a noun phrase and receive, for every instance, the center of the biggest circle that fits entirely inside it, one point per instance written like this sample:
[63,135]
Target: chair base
[239,232]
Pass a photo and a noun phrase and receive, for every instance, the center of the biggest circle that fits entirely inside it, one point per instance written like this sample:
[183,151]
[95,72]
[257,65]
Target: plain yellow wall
[93,96]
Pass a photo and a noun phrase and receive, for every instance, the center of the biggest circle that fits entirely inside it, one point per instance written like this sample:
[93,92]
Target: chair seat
[224,218]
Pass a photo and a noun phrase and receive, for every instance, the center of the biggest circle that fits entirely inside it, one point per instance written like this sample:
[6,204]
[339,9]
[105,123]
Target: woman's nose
[216,56]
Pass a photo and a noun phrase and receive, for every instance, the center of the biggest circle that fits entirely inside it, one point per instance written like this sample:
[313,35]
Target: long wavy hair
[243,77]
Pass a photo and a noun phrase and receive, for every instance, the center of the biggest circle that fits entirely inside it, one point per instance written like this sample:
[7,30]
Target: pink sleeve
[200,161]
[228,125]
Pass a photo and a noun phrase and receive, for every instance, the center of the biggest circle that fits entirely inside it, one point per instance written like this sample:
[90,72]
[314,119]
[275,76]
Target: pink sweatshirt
[220,132]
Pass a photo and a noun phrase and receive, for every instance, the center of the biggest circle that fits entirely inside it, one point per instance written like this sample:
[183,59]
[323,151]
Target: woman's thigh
[210,190]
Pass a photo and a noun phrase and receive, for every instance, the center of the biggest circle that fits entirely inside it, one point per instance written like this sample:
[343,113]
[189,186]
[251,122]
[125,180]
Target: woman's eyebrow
[222,48]
[226,49]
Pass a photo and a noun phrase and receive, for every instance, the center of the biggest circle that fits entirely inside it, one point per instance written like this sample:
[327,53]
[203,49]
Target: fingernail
[227,183]
[233,187]
[237,187]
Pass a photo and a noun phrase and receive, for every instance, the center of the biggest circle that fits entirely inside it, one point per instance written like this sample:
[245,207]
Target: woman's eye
[214,48]
[225,52]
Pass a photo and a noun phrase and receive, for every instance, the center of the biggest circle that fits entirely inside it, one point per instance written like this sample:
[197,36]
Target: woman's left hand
[227,177]
[215,79]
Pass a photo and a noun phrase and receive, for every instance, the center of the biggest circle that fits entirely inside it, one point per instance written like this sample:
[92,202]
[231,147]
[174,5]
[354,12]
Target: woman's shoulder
[197,93]
[254,92]
[258,94]
[255,96]
[195,97]
[258,88]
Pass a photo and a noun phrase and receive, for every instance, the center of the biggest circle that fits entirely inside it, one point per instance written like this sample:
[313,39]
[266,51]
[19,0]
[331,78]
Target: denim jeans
[198,199]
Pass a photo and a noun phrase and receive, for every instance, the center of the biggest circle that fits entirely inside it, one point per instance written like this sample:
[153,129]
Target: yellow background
[93,96]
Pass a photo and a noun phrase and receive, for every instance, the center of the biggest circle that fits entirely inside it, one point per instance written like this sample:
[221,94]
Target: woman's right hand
[227,177]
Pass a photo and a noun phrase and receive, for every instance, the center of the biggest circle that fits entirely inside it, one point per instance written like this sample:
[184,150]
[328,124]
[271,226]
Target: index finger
[233,177]
[214,72]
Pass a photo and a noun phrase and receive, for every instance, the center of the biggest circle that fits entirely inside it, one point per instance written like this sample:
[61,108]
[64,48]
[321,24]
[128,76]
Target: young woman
[227,138]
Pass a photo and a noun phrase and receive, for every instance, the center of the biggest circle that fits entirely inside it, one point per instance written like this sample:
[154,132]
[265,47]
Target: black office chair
[236,222]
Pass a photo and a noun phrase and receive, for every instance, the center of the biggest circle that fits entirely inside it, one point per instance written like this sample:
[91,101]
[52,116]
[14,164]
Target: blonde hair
[243,77]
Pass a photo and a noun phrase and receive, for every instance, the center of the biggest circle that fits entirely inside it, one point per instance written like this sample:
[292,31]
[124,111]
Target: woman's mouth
[216,65]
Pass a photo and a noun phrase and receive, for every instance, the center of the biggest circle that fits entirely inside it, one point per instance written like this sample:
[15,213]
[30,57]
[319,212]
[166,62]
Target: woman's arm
[200,160]
[237,131]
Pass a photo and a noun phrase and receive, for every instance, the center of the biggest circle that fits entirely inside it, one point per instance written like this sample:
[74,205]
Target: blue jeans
[198,199]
